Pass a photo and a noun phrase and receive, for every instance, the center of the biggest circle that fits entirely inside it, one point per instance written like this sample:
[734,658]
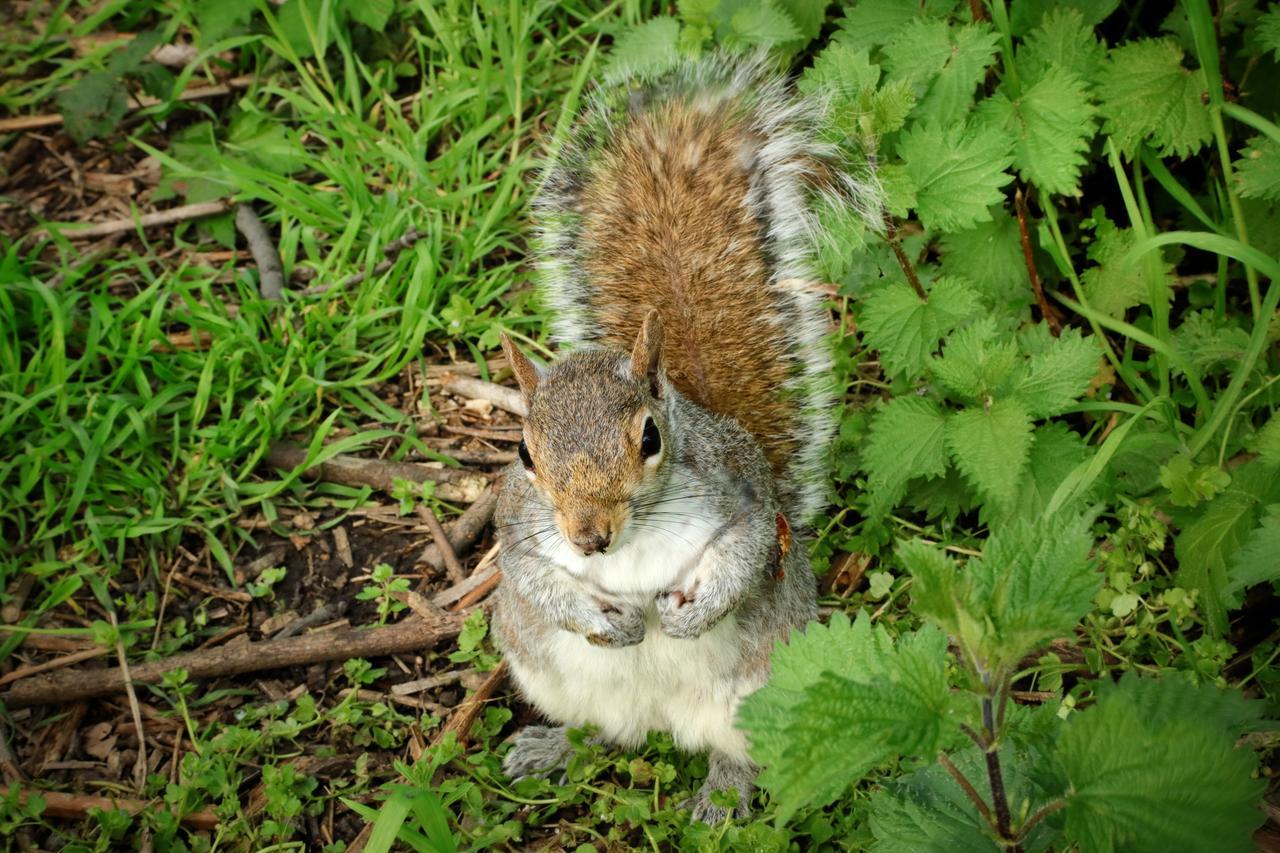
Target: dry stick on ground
[454,595]
[463,532]
[468,709]
[12,610]
[453,484]
[410,635]
[50,665]
[391,251]
[1046,310]
[140,766]
[450,557]
[10,125]
[507,399]
[163,217]
[76,806]
[263,248]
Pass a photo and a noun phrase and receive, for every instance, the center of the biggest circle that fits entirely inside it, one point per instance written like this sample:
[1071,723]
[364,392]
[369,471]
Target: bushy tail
[691,192]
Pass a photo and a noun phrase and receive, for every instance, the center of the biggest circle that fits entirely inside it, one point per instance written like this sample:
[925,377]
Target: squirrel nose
[590,541]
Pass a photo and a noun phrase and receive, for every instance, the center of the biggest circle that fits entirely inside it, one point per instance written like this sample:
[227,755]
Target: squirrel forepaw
[619,628]
[679,617]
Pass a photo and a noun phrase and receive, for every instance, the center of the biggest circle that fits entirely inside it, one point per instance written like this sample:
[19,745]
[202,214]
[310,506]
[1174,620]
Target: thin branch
[140,766]
[507,399]
[463,532]
[451,563]
[891,237]
[464,715]
[77,806]
[148,220]
[967,786]
[1041,813]
[452,484]
[263,248]
[10,125]
[1046,310]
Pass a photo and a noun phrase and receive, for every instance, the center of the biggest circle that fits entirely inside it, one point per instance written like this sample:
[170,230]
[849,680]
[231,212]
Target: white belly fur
[685,687]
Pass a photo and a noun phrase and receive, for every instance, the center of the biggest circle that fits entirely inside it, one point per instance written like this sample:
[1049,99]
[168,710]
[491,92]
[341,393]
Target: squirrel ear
[524,369]
[646,355]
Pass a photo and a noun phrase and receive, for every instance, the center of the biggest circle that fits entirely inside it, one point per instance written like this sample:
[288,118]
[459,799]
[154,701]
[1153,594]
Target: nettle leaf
[958,172]
[93,106]
[1268,31]
[1258,559]
[989,445]
[1025,14]
[1033,582]
[1051,381]
[1154,766]
[905,441]
[975,361]
[1052,124]
[648,48]
[763,23]
[1062,41]
[1055,452]
[1207,543]
[990,256]
[1209,341]
[1146,93]
[1258,169]
[1266,443]
[1116,284]
[808,16]
[894,699]
[906,330]
[846,80]
[873,23]
[944,62]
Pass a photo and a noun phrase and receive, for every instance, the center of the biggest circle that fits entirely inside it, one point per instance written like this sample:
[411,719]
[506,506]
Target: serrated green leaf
[649,48]
[1257,172]
[1189,484]
[943,62]
[1062,41]
[990,445]
[905,441]
[895,699]
[1116,285]
[217,19]
[1267,443]
[1033,582]
[762,23]
[906,330]
[989,255]
[958,173]
[1055,453]
[93,106]
[937,593]
[1145,93]
[1258,558]
[1052,124]
[1268,31]
[1051,381]
[1026,14]
[1210,342]
[807,15]
[1147,772]
[898,188]
[976,361]
[872,23]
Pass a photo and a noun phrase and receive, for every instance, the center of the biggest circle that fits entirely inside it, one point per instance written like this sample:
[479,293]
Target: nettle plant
[1056,369]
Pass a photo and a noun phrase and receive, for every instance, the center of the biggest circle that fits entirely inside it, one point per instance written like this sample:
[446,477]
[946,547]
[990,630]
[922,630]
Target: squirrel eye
[651,441]
[525,458]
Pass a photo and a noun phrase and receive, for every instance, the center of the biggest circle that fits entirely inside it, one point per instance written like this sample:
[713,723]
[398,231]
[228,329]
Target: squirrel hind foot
[723,774]
[537,752]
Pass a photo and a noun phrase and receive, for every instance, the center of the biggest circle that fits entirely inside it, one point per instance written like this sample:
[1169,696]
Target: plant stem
[995,776]
[1046,310]
[967,786]
[1041,813]
[891,237]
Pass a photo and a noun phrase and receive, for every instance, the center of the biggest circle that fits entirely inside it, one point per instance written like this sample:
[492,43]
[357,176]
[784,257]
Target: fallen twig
[10,125]
[77,806]
[501,396]
[463,532]
[452,484]
[50,665]
[441,540]
[263,248]
[451,596]
[391,252]
[411,634]
[183,213]
[315,617]
[465,714]
[407,688]
[491,581]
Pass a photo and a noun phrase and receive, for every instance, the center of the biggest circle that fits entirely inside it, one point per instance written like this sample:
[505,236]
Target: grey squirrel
[647,561]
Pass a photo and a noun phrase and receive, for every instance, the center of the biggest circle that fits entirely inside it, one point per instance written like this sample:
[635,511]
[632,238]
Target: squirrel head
[596,435]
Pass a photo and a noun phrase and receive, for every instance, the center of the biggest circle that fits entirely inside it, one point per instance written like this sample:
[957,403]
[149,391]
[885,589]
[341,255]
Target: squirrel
[648,565]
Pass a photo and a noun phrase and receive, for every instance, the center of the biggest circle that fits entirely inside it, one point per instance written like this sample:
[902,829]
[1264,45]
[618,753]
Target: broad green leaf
[1146,93]
[943,62]
[1257,172]
[990,256]
[958,173]
[1033,582]
[93,106]
[1258,559]
[1189,484]
[648,48]
[871,700]
[217,19]
[1154,766]
[937,593]
[906,330]
[905,441]
[374,14]
[990,445]
[1267,443]
[1055,452]
[1210,342]
[807,15]
[976,361]
[1052,124]
[1062,41]
[1026,14]
[762,23]
[1268,31]
[1115,284]
[1051,381]
[872,23]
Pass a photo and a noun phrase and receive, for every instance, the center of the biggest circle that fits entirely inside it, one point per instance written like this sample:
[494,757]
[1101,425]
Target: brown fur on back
[668,225]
